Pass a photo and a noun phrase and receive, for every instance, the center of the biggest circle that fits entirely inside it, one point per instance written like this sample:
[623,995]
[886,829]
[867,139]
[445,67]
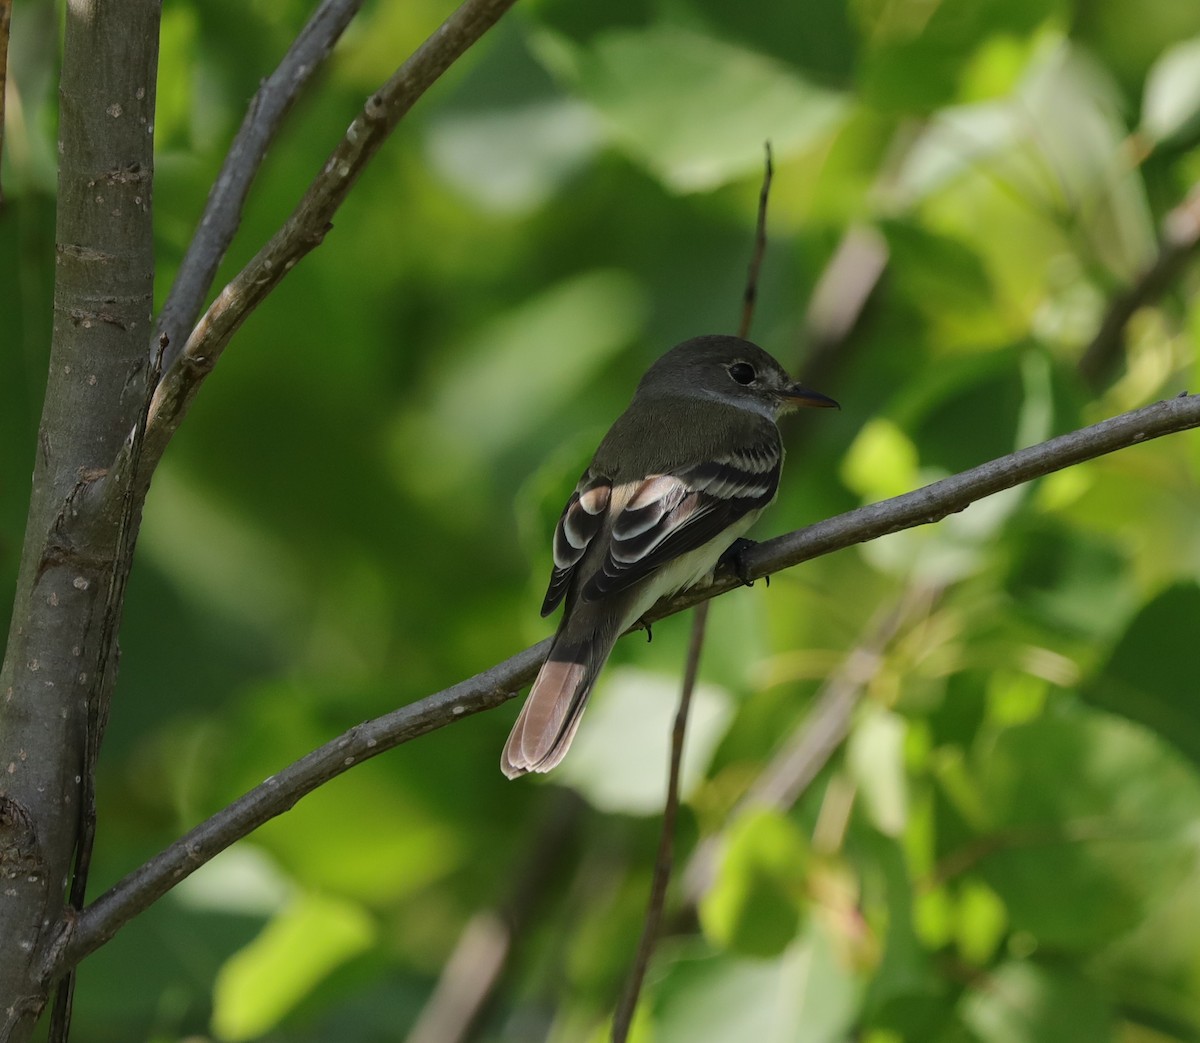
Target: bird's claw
[735,558]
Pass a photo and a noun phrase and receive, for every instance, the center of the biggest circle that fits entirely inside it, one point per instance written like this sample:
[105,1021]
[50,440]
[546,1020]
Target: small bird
[680,476]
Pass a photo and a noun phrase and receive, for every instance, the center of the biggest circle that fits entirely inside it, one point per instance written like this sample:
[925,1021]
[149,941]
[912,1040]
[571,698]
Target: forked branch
[104,917]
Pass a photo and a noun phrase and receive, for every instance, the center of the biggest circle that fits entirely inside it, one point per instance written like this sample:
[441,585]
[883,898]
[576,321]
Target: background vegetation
[357,513]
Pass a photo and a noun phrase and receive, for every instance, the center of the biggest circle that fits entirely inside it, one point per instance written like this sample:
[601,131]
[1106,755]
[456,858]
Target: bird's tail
[548,720]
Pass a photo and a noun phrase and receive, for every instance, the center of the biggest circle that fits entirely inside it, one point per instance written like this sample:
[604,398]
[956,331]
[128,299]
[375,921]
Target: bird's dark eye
[742,372]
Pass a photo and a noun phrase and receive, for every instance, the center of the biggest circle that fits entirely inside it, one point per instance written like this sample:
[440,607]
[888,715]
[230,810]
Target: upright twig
[750,295]
[5,22]
[665,859]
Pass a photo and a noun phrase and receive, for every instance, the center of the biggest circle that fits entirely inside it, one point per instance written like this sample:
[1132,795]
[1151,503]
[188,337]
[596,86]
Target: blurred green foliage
[357,514]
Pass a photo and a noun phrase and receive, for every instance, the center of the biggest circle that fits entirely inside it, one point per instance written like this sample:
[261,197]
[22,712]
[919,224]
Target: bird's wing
[581,520]
[656,518]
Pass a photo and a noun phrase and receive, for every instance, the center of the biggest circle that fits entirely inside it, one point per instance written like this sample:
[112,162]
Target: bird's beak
[798,396]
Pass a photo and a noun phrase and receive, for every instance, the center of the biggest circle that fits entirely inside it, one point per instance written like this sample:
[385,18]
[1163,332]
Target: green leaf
[1068,580]
[697,110]
[982,920]
[804,994]
[756,904]
[620,757]
[881,461]
[259,985]
[917,63]
[1156,967]
[512,160]
[1151,675]
[904,987]
[817,36]
[1171,103]
[875,757]
[512,376]
[1029,1003]
[1090,825]
[946,280]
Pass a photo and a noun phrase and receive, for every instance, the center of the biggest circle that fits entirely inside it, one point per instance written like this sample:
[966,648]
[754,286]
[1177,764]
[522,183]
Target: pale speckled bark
[91,474]
[59,644]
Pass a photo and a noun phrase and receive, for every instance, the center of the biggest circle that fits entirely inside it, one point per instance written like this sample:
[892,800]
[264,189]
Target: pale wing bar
[581,519]
[669,515]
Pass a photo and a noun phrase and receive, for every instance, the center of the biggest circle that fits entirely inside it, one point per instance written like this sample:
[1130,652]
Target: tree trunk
[60,660]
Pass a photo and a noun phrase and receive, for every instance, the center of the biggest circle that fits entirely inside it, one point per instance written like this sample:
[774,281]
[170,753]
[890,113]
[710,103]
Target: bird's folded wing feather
[645,523]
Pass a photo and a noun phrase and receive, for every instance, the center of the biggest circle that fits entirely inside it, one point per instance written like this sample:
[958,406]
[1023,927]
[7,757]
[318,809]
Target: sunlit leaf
[1150,676]
[802,994]
[264,981]
[619,757]
[1029,1003]
[982,921]
[757,901]
[875,756]
[1071,830]
[881,462]
[696,109]
[511,160]
[1171,102]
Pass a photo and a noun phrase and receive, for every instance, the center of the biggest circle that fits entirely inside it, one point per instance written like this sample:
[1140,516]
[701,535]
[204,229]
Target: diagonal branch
[304,230]
[145,885]
[223,211]
[934,502]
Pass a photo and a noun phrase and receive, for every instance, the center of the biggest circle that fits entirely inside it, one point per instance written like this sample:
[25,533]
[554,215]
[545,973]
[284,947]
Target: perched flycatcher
[680,476]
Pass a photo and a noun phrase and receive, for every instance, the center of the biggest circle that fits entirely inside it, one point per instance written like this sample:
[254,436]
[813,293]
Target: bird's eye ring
[742,372]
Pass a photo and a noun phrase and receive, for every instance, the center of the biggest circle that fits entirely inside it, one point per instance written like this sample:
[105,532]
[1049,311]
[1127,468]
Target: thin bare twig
[474,968]
[145,885]
[5,22]
[223,211]
[750,297]
[1180,242]
[665,859]
[308,224]
[798,761]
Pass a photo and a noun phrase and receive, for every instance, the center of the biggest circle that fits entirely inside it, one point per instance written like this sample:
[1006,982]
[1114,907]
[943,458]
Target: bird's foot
[735,558]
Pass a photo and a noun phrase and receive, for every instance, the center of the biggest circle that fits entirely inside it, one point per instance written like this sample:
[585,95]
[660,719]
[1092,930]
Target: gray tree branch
[308,224]
[223,210]
[59,662]
[105,916]
[98,441]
